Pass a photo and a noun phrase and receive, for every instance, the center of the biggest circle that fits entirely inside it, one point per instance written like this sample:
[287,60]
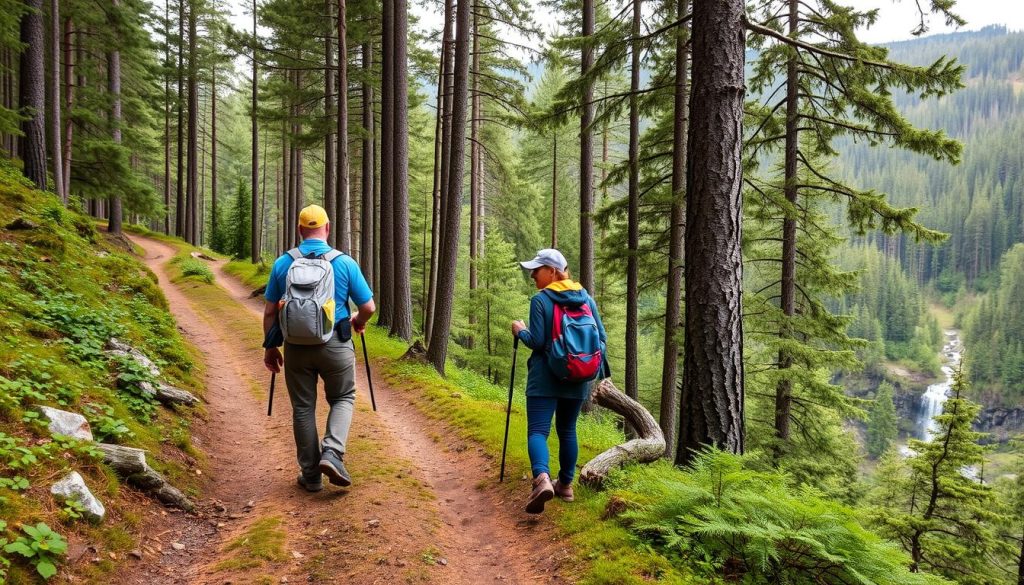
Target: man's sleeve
[358,289]
[275,283]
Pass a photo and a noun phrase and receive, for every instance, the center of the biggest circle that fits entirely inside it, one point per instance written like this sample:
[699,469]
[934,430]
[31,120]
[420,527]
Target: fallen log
[130,464]
[647,447]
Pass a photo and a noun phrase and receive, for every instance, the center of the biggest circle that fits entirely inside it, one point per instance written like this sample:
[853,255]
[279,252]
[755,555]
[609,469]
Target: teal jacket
[540,381]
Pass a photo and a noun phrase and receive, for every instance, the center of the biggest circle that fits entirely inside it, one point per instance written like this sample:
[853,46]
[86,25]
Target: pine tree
[881,433]
[928,504]
[31,85]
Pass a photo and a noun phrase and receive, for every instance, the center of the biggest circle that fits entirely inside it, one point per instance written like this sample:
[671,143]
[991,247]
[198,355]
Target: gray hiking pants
[335,362]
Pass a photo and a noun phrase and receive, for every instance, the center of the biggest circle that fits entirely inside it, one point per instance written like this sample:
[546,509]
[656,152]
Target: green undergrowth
[251,275]
[65,289]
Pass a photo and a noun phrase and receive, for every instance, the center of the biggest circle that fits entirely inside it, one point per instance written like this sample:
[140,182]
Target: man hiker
[307,296]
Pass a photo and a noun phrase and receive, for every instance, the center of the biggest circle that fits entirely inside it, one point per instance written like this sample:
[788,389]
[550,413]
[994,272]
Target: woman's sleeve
[535,337]
[597,317]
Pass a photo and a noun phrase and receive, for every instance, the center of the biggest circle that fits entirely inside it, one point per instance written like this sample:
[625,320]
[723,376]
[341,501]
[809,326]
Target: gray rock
[67,423]
[169,395]
[130,463]
[117,348]
[73,488]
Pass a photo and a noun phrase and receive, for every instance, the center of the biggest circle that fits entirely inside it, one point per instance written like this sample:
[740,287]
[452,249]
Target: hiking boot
[334,469]
[542,492]
[563,491]
[310,484]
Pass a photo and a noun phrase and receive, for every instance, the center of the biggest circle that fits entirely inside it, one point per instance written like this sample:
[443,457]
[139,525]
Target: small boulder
[22,224]
[118,348]
[67,423]
[73,488]
[169,395]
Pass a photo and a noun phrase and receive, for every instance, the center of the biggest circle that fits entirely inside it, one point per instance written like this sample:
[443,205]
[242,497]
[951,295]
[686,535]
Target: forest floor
[419,510]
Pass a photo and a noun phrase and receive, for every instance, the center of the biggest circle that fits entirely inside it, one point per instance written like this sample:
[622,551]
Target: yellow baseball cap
[313,216]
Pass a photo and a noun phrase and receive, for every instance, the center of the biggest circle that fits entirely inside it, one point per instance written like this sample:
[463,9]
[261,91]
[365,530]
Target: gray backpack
[307,314]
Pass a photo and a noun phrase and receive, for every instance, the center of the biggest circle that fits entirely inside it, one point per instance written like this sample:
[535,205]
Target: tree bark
[474,167]
[586,269]
[712,396]
[331,193]
[437,352]
[114,88]
[401,324]
[167,117]
[677,232]
[366,227]
[344,231]
[54,87]
[445,90]
[130,464]
[256,251]
[648,446]
[69,102]
[31,98]
[784,387]
[633,215]
[254,215]
[554,188]
[192,178]
[179,206]
[386,284]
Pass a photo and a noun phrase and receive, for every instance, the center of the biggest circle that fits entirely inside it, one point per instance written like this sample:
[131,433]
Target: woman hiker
[557,394]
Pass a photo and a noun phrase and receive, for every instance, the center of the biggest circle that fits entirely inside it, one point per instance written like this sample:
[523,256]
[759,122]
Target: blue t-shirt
[349,282]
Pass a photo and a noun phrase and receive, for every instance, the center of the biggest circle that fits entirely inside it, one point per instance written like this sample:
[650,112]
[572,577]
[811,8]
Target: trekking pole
[508,411]
[369,379]
[270,403]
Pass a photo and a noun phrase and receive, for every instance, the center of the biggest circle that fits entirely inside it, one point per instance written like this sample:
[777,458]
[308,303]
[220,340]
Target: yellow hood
[564,285]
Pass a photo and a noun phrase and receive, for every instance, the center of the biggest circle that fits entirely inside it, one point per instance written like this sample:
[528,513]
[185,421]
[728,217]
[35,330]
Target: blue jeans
[539,410]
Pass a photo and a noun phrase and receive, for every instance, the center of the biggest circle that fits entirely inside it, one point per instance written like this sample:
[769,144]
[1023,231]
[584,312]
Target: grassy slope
[64,288]
[473,407]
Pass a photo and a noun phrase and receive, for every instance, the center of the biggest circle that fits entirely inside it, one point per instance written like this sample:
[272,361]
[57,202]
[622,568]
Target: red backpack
[575,353]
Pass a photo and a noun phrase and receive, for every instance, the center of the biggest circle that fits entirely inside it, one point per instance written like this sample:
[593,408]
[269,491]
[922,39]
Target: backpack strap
[330,256]
[295,253]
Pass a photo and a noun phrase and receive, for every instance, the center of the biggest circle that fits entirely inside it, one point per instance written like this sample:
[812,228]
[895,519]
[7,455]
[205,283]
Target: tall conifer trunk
[401,324]
[633,215]
[554,188]
[366,209]
[386,284]
[54,90]
[437,351]
[474,166]
[167,117]
[784,387]
[344,227]
[711,406]
[213,163]
[192,178]
[669,410]
[331,193]
[31,94]
[586,268]
[257,217]
[179,206]
[114,88]
[69,102]
[444,82]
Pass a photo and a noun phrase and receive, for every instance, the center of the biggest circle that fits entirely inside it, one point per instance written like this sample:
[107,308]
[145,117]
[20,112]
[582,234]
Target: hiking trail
[423,506]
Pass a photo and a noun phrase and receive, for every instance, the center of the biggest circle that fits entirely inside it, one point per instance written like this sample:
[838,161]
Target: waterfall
[936,395]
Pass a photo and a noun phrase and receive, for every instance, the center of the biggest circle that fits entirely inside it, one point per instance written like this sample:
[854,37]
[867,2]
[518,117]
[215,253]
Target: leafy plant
[105,426]
[41,547]
[130,383]
[72,510]
[4,562]
[190,267]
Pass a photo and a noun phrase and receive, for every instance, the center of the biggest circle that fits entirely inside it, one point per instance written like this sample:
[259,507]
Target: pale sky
[897,17]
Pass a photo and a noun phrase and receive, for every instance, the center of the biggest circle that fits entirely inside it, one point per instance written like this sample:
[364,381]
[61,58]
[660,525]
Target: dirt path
[415,512]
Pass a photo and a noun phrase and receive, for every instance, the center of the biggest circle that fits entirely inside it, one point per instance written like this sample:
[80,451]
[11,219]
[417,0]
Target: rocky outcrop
[165,394]
[130,464]
[117,348]
[73,488]
[1001,423]
[62,422]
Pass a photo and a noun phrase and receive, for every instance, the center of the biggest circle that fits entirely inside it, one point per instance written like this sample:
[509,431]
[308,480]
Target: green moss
[261,543]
